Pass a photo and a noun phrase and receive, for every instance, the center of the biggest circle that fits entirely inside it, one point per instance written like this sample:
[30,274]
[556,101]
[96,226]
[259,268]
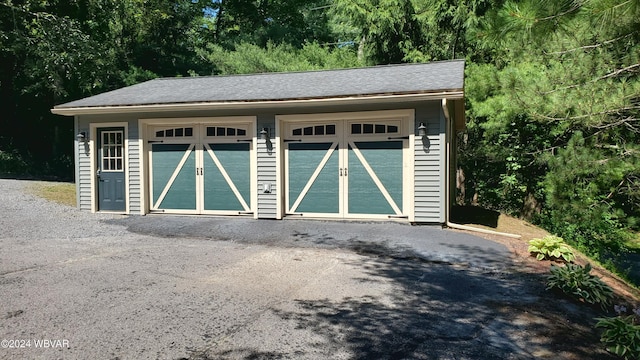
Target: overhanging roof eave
[115,109]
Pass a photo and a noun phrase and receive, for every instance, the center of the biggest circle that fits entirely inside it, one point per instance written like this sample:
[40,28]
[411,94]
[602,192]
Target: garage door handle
[398,138]
[245,140]
[290,140]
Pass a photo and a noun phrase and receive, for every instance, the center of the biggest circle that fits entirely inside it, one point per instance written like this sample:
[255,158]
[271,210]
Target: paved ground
[166,287]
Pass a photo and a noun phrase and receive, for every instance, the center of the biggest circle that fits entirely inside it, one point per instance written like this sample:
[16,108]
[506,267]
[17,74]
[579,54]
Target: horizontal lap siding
[133,164]
[428,195]
[83,177]
[267,202]
[133,154]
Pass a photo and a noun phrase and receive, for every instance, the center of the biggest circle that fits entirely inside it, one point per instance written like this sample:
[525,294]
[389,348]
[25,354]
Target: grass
[62,193]
[493,220]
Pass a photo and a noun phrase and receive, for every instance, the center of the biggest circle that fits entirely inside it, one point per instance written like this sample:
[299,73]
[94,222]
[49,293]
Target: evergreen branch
[575,7]
[614,191]
[615,73]
[579,117]
[619,71]
[588,47]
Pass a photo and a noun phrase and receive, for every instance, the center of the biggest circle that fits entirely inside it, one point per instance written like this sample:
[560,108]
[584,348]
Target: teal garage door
[201,169]
[345,169]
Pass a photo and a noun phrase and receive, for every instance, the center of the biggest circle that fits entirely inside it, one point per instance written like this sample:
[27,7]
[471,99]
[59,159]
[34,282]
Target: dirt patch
[493,220]
[583,340]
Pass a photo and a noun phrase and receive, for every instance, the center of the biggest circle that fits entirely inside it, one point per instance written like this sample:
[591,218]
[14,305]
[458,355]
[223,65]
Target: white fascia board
[454,94]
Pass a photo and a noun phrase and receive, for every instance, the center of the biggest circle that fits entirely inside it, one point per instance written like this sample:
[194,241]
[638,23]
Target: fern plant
[577,282]
[551,247]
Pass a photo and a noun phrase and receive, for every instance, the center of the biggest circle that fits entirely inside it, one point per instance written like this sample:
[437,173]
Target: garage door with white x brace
[346,169]
[201,169]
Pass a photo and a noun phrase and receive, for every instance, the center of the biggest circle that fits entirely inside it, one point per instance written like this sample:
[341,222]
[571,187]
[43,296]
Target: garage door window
[175,132]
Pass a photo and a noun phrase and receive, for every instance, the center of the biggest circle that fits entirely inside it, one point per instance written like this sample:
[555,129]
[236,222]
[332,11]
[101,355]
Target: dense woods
[553,90]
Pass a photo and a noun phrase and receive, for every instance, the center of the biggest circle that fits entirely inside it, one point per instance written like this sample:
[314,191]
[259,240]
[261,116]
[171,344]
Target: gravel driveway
[75,285]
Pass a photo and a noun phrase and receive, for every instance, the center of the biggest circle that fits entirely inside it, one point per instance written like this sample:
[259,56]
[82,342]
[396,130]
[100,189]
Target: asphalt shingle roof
[377,80]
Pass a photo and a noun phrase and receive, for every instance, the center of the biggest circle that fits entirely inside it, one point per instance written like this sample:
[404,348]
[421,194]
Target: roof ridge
[309,71]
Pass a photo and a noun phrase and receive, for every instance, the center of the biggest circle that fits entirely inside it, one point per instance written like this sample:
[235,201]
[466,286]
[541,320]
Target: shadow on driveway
[426,242]
[456,296]
[440,311]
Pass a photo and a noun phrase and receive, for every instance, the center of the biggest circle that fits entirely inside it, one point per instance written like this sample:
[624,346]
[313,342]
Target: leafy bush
[577,282]
[551,247]
[11,162]
[597,236]
[621,335]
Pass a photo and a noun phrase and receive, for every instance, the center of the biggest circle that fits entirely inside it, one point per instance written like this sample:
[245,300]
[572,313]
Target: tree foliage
[249,58]
[565,74]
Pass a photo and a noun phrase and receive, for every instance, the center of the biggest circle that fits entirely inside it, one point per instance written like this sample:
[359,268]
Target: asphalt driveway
[99,286]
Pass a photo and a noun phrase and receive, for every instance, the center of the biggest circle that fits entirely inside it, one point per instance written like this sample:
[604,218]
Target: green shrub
[12,162]
[551,247]
[577,282]
[596,236]
[621,335]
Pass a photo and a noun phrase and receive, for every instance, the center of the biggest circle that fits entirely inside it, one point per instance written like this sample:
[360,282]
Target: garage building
[362,143]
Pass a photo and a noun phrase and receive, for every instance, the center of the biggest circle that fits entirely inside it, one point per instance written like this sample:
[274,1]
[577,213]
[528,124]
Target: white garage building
[364,143]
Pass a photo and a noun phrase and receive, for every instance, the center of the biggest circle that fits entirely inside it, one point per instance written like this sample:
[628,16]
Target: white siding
[267,202]
[83,176]
[428,194]
[84,171]
[133,154]
[429,157]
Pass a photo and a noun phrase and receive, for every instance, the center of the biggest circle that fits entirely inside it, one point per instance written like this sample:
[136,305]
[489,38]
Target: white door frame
[93,148]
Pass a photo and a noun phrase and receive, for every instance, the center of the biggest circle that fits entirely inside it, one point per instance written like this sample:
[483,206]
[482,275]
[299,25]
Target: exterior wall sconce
[82,137]
[264,134]
[422,133]
[422,130]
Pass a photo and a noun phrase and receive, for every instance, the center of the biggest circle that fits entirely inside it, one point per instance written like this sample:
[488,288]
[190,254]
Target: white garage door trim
[205,154]
[406,121]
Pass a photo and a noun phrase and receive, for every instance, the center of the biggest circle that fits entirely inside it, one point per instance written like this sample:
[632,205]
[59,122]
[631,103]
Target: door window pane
[112,151]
